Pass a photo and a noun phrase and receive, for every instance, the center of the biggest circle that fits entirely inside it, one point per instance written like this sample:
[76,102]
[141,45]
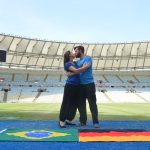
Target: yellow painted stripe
[114,138]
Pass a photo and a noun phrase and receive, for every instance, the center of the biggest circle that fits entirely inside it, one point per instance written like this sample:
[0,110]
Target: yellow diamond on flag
[40,134]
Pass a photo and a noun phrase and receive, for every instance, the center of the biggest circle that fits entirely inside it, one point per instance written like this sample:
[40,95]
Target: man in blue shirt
[87,89]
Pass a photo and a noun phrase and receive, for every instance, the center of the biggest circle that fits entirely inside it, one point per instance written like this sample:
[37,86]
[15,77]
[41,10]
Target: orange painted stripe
[114,138]
[113,133]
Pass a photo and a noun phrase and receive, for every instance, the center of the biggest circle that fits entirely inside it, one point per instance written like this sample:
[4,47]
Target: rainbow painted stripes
[114,136]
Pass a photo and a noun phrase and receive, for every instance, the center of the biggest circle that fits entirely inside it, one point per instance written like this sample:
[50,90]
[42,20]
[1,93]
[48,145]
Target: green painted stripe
[71,135]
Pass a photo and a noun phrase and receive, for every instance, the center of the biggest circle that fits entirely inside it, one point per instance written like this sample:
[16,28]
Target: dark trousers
[87,91]
[69,104]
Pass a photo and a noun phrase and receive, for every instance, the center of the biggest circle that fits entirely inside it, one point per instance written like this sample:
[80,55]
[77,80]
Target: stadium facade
[33,71]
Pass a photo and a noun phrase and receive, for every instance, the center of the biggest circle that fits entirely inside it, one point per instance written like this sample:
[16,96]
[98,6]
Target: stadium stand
[33,71]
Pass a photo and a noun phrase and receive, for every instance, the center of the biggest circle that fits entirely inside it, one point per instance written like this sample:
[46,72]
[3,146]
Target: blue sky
[77,20]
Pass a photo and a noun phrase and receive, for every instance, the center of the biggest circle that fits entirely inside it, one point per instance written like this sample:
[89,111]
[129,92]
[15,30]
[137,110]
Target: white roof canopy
[39,54]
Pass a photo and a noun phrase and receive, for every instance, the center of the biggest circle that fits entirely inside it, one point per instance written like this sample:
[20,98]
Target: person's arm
[79,70]
[86,64]
[68,74]
[74,71]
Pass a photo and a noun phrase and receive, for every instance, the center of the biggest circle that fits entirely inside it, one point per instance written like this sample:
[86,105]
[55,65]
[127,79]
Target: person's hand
[69,74]
[87,65]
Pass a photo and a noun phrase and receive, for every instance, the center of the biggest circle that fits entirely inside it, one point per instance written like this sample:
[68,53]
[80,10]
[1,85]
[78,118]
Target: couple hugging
[79,87]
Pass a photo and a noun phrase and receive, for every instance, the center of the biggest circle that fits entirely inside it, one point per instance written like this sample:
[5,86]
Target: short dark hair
[80,48]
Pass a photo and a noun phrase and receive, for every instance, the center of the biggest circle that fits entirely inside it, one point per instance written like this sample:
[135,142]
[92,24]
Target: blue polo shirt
[86,77]
[74,79]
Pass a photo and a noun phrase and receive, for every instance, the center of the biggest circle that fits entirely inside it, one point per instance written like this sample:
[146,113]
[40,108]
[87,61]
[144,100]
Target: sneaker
[61,124]
[70,123]
[81,124]
[96,125]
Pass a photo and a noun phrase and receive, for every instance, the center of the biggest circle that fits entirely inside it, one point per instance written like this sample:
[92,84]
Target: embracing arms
[79,70]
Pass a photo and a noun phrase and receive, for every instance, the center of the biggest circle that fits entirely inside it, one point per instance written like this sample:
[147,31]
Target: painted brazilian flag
[69,135]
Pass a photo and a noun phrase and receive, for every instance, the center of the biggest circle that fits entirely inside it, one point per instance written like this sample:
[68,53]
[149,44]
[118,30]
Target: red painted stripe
[113,133]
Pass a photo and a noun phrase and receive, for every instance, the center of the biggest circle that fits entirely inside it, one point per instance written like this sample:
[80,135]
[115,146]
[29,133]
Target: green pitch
[36,111]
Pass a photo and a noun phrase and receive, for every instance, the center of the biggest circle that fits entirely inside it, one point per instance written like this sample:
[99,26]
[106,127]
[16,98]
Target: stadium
[32,81]
[33,71]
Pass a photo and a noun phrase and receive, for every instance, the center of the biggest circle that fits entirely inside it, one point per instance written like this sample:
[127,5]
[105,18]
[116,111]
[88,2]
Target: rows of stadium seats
[8,77]
[18,88]
[26,94]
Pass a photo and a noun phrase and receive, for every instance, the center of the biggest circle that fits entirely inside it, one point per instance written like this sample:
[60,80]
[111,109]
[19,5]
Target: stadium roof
[26,53]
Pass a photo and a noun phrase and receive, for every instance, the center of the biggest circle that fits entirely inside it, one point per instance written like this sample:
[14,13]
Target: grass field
[36,111]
